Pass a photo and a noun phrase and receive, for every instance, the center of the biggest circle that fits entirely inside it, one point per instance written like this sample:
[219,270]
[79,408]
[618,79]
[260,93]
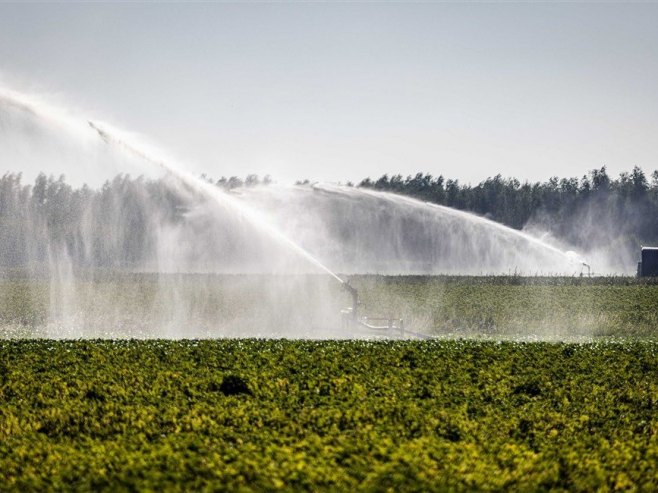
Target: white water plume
[362,231]
[258,219]
[135,261]
[347,229]
[213,233]
[37,137]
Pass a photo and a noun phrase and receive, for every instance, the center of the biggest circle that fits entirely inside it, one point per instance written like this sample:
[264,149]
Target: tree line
[581,211]
[50,223]
[117,224]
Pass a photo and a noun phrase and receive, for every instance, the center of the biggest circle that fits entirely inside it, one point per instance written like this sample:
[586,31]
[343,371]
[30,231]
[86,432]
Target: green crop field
[549,308]
[482,407]
[310,415]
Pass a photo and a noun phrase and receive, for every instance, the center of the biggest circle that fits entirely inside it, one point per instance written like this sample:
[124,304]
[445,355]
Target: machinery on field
[385,327]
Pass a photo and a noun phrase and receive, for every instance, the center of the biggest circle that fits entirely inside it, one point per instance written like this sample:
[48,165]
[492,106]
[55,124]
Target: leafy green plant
[307,415]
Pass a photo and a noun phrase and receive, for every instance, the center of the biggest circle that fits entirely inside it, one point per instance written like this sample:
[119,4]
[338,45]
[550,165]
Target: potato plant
[265,415]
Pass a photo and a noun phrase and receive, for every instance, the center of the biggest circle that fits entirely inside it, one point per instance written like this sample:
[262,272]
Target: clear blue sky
[340,91]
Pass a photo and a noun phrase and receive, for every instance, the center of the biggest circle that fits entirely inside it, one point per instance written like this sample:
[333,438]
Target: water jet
[318,228]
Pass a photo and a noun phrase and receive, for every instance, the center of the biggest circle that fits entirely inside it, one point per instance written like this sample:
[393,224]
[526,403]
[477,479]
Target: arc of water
[259,220]
[455,213]
[111,137]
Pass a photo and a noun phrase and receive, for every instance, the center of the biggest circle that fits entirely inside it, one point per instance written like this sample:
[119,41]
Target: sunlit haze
[338,92]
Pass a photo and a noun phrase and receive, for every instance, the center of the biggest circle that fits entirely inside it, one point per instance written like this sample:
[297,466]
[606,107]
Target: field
[202,306]
[311,415]
[486,406]
[511,307]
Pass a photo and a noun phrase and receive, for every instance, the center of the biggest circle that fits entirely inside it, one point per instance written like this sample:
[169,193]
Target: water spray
[456,213]
[109,137]
[101,132]
[256,219]
[261,217]
[350,313]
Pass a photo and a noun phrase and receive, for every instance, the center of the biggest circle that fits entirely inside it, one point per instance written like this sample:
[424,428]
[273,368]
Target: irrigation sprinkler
[353,311]
[376,326]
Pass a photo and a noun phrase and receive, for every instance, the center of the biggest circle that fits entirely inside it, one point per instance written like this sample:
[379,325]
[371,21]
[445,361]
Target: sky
[342,91]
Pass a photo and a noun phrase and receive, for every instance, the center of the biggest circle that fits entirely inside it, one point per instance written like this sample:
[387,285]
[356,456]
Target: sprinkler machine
[375,326]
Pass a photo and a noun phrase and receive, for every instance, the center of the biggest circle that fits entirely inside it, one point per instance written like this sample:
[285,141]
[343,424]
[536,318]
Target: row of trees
[52,223]
[118,224]
[237,182]
[122,224]
[581,211]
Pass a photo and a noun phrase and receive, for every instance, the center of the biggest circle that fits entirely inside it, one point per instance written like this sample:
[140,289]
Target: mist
[165,254]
